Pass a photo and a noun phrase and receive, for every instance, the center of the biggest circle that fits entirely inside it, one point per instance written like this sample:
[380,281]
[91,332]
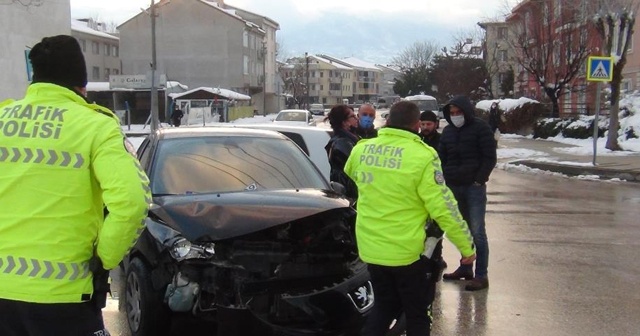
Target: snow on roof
[217,91]
[358,63]
[419,97]
[104,86]
[505,105]
[336,64]
[81,27]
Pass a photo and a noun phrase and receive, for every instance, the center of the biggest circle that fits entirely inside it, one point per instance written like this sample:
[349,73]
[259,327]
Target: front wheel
[146,313]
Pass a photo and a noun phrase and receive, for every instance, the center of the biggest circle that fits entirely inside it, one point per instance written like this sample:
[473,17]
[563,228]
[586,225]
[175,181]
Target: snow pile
[505,105]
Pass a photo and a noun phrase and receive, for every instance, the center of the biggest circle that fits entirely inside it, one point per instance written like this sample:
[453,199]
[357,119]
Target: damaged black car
[243,231]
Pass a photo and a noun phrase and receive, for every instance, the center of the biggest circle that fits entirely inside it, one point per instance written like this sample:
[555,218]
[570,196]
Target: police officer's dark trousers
[57,319]
[408,288]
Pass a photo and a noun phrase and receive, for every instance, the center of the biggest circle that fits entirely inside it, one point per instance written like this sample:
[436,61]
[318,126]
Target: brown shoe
[459,274]
[477,284]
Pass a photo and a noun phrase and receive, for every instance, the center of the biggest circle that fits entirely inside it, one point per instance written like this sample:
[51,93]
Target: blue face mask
[366,122]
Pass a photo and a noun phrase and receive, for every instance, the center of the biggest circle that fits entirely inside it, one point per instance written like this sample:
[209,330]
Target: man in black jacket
[429,129]
[468,154]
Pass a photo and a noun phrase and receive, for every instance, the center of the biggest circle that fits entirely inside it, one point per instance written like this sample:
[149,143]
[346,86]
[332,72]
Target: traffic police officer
[63,160]
[400,186]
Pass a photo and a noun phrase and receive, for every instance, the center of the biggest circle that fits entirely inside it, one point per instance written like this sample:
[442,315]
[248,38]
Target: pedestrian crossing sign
[600,69]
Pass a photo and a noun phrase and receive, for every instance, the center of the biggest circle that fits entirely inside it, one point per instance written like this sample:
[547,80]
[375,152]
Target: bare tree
[614,21]
[551,44]
[26,3]
[416,56]
[293,74]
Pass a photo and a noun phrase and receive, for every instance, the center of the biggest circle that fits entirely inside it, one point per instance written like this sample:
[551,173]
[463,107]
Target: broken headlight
[180,249]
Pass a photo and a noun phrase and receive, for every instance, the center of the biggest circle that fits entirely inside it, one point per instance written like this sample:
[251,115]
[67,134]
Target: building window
[321,74]
[116,71]
[245,65]
[83,44]
[96,73]
[502,55]
[321,87]
[107,73]
[107,50]
[95,48]
[245,39]
[114,51]
[502,32]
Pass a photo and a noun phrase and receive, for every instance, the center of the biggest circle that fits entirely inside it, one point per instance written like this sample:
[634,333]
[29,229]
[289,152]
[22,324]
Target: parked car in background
[310,139]
[244,231]
[316,109]
[295,118]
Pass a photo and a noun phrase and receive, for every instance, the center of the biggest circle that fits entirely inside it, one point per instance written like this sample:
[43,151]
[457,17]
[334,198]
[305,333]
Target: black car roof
[189,132]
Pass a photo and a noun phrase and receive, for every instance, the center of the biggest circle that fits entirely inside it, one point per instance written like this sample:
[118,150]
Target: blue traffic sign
[600,69]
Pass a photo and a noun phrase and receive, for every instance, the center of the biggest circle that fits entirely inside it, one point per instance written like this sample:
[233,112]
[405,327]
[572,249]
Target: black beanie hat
[59,60]
[428,116]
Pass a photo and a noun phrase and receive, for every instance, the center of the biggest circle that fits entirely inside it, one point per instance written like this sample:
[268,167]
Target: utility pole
[264,78]
[154,90]
[306,100]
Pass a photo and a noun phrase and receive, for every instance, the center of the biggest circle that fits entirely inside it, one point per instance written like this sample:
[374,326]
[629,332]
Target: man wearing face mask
[468,153]
[366,116]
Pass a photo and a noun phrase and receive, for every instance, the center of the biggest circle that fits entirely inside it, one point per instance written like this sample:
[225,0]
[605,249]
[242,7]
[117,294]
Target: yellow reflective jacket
[62,161]
[400,185]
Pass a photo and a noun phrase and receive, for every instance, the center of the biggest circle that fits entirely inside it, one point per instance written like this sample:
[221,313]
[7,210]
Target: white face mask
[457,121]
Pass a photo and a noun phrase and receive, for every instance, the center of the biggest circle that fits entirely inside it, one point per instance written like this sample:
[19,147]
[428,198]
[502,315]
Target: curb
[627,175]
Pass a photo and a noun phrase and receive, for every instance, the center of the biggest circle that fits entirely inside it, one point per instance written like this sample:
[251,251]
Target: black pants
[57,319]
[408,288]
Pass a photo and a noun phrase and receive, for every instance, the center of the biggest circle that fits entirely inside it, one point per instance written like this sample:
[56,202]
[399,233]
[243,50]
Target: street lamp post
[154,90]
[306,100]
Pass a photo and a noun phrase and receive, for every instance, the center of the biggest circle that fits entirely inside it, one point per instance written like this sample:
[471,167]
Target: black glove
[100,282]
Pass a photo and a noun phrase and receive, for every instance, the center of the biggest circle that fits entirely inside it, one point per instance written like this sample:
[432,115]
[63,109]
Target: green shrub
[520,120]
[550,127]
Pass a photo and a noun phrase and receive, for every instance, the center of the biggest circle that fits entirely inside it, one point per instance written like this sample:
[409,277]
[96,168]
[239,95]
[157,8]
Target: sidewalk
[559,157]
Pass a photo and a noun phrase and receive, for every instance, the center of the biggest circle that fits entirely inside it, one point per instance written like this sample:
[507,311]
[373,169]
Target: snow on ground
[585,146]
[505,105]
[519,153]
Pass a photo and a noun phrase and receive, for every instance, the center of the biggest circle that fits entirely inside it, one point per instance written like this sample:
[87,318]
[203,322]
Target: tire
[144,308]
[399,327]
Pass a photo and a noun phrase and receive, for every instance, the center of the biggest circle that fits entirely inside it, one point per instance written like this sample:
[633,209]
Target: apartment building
[555,29]
[389,77]
[101,50]
[498,54]
[366,81]
[24,26]
[204,43]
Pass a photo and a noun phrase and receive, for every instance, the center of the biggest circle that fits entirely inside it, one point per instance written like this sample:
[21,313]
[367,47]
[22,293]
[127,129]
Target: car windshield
[317,106]
[291,116]
[231,164]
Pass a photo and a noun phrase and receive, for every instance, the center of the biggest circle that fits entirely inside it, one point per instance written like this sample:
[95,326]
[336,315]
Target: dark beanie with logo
[428,116]
[59,60]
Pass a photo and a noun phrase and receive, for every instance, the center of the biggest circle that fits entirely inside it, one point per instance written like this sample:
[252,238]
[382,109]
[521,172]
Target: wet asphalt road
[564,261]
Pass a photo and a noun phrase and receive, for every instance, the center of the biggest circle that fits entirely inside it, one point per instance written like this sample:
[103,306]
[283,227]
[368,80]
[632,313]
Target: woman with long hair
[344,122]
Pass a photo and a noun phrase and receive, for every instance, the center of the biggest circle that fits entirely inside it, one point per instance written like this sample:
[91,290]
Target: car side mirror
[338,188]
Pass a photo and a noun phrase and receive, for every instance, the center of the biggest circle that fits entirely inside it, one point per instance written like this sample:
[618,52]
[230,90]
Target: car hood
[212,217]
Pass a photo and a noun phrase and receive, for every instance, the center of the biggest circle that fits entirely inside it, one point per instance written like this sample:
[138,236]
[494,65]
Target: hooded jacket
[468,153]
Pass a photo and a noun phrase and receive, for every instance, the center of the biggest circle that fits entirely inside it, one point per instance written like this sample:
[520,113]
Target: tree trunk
[614,124]
[555,111]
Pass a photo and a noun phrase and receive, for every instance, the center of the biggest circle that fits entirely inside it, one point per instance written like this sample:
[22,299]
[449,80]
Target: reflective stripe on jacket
[62,161]
[400,185]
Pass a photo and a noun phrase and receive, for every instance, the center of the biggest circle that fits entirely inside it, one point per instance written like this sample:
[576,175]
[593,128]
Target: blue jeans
[472,202]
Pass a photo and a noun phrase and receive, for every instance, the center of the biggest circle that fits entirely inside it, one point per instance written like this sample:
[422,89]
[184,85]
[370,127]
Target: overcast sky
[408,20]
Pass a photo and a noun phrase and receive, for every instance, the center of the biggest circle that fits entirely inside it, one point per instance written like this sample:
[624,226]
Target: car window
[144,153]
[431,105]
[230,164]
[297,138]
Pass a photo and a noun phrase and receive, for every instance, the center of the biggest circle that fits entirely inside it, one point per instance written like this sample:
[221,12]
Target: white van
[425,102]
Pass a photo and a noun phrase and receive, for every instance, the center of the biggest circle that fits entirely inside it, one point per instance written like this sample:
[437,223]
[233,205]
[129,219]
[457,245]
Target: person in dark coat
[429,129]
[344,122]
[468,154]
[176,117]
[494,117]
